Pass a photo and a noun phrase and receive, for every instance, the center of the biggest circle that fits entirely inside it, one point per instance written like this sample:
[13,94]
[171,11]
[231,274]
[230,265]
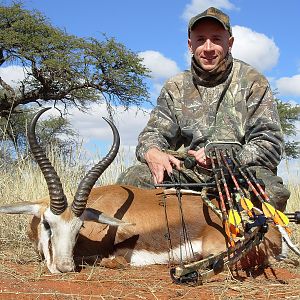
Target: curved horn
[87,183]
[58,201]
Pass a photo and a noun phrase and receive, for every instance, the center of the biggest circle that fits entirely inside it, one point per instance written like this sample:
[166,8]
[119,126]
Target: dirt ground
[32,281]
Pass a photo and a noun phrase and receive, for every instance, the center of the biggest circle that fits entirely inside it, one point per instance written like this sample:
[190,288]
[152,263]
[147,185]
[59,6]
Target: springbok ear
[91,214]
[27,208]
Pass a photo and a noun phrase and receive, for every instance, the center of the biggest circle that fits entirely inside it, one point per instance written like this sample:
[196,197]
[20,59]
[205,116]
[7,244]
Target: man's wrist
[151,149]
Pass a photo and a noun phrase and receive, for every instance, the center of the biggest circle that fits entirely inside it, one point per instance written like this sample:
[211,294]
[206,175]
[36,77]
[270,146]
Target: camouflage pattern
[212,12]
[189,115]
[274,187]
[139,175]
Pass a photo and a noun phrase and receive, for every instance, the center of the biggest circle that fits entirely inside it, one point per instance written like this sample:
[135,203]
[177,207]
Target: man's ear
[230,42]
[190,46]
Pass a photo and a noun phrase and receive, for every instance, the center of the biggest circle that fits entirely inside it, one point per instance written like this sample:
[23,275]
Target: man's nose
[208,45]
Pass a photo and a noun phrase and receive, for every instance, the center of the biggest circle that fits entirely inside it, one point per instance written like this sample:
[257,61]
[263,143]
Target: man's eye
[216,40]
[201,41]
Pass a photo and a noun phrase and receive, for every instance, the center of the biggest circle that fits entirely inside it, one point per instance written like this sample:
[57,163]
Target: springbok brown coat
[113,221]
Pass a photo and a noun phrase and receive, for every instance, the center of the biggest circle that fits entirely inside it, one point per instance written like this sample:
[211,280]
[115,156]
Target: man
[220,99]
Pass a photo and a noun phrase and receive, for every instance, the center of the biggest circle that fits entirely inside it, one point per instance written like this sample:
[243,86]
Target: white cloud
[254,48]
[161,67]
[187,58]
[289,86]
[92,128]
[12,74]
[197,6]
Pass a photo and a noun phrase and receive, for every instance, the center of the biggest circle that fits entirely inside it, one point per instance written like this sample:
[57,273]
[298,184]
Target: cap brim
[206,17]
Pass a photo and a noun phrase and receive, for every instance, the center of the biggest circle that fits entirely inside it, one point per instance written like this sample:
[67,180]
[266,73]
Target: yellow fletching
[234,218]
[246,204]
[278,216]
[283,217]
[268,210]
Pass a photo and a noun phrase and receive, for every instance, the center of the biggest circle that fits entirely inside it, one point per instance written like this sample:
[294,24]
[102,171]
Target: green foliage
[289,114]
[63,67]
[54,131]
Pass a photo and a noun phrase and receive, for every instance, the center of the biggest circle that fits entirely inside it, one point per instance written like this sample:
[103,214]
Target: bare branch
[7,87]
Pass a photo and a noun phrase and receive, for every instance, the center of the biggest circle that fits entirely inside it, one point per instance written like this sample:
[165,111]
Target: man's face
[209,41]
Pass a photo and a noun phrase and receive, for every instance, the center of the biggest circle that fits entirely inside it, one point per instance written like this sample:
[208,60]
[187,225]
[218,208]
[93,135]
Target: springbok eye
[46,225]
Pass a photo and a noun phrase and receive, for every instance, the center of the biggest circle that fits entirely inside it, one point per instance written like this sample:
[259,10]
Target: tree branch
[7,87]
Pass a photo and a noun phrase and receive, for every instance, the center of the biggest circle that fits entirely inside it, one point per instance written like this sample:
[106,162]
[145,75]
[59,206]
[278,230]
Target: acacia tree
[64,68]
[289,114]
[55,131]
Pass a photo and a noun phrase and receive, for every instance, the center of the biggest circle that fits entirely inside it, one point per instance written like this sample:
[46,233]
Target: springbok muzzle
[65,264]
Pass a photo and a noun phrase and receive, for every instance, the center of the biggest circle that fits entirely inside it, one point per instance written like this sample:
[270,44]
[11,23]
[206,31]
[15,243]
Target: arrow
[268,208]
[233,215]
[278,217]
[245,203]
[226,224]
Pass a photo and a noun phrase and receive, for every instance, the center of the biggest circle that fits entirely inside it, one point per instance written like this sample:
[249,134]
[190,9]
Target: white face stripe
[144,257]
[43,247]
[64,232]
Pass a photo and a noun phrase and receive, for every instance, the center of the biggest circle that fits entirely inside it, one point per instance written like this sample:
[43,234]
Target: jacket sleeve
[264,143]
[162,128]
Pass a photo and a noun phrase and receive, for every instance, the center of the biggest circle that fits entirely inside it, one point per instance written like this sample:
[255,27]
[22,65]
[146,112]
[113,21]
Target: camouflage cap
[211,12]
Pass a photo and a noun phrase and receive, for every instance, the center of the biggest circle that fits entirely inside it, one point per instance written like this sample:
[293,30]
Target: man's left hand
[200,157]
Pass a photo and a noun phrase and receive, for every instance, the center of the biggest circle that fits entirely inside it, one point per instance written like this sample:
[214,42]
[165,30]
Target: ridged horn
[87,183]
[58,201]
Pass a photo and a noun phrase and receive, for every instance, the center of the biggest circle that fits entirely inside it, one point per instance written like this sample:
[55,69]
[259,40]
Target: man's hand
[200,157]
[159,162]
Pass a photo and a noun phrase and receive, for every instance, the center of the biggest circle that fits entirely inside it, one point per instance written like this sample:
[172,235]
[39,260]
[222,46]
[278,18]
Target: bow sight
[243,207]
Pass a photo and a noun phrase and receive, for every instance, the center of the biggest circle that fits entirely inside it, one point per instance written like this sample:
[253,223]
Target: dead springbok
[115,220]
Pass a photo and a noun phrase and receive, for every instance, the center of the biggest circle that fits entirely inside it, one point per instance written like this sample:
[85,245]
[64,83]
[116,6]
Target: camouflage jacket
[190,115]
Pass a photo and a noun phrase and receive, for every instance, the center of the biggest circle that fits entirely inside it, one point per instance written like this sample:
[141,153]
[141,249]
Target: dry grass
[24,182]
[136,283]
[294,201]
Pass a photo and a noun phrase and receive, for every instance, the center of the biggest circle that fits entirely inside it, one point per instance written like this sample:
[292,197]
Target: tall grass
[294,201]
[23,181]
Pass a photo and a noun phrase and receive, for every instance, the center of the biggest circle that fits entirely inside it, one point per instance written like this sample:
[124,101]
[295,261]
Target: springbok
[115,220]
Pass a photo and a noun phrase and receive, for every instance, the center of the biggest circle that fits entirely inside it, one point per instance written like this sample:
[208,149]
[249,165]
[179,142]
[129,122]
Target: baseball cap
[214,13]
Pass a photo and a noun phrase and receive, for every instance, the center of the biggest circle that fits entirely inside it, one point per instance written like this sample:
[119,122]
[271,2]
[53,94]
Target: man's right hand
[160,162]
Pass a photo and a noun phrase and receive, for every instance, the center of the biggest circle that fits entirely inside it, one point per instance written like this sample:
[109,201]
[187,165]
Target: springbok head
[58,223]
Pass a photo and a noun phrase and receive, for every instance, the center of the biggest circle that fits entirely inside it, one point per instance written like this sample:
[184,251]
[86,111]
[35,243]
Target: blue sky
[161,26]
[266,36]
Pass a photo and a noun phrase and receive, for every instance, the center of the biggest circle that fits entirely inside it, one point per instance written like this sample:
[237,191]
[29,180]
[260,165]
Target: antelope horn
[287,240]
[87,183]
[58,201]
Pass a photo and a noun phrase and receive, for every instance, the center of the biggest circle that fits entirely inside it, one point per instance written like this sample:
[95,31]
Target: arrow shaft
[235,182]
[223,207]
[256,192]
